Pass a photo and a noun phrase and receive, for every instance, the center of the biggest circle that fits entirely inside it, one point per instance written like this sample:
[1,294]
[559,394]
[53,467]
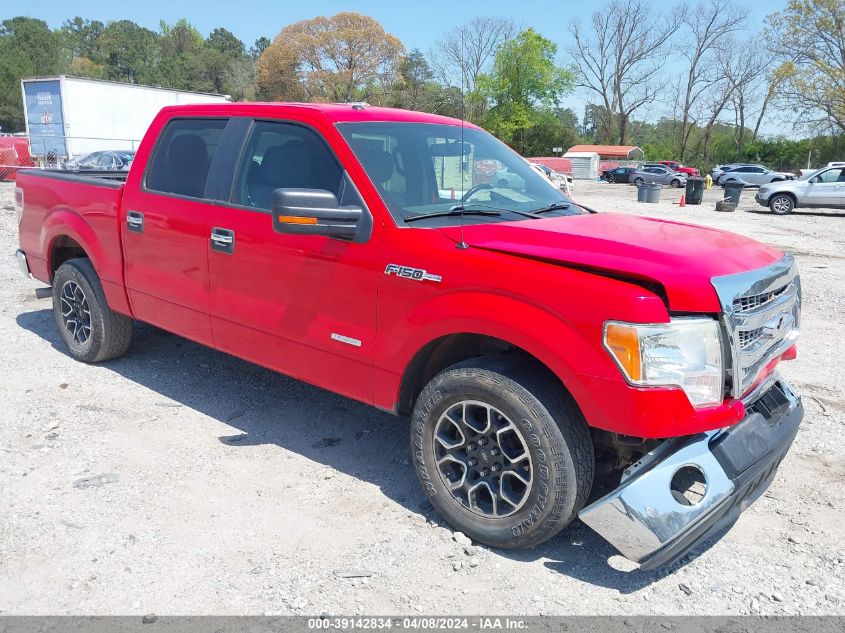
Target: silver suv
[752,175]
[657,174]
[822,188]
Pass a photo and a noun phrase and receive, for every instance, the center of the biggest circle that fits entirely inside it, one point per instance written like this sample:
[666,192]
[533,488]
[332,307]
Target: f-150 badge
[411,273]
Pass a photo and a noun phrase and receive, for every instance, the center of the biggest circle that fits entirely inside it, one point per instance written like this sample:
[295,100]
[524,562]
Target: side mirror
[317,212]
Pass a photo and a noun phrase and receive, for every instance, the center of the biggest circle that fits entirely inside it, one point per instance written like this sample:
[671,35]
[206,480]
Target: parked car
[533,343]
[753,175]
[681,169]
[822,188]
[117,160]
[561,181]
[658,174]
[718,170]
[618,174]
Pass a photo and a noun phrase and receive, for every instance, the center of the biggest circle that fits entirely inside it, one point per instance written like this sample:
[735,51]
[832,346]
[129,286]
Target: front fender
[547,336]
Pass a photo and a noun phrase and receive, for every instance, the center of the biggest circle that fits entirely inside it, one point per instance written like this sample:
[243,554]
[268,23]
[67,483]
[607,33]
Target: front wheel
[781,204]
[676,183]
[90,330]
[638,181]
[502,451]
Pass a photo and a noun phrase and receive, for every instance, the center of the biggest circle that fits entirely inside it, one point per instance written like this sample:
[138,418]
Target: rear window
[181,159]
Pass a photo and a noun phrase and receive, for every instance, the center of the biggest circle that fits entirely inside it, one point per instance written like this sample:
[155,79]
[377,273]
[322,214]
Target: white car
[561,181]
[822,188]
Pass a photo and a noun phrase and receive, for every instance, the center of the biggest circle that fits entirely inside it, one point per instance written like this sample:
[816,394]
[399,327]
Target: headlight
[685,352]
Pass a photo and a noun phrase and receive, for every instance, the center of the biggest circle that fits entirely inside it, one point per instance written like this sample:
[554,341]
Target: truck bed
[65,211]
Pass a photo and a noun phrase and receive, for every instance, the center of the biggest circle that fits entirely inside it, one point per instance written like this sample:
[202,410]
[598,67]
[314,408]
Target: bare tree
[465,53]
[620,56]
[709,26]
[747,68]
[712,106]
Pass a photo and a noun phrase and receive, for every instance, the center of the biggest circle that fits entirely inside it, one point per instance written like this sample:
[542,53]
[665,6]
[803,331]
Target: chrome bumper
[653,525]
[22,263]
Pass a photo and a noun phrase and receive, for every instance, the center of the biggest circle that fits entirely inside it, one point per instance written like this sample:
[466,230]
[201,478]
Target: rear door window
[182,157]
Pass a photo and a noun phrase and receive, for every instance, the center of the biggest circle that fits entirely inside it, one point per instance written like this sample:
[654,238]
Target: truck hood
[682,258]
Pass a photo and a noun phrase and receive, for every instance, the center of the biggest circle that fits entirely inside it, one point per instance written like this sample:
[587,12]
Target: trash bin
[649,193]
[695,191]
[733,190]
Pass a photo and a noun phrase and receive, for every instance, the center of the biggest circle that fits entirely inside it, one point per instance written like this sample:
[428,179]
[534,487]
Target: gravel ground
[232,490]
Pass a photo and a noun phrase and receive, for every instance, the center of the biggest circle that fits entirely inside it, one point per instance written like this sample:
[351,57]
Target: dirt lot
[237,490]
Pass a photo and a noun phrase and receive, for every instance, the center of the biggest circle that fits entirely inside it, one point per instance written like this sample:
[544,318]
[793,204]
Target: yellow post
[708,181]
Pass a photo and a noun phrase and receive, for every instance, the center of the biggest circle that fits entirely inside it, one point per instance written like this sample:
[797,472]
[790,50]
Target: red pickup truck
[681,169]
[536,345]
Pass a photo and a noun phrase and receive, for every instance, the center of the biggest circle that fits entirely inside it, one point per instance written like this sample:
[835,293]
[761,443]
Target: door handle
[222,240]
[135,221]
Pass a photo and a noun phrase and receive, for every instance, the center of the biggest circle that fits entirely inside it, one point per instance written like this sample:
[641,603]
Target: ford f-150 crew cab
[535,344]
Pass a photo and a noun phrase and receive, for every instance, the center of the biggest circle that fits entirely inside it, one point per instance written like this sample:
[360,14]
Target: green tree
[556,127]
[79,37]
[259,47]
[809,38]
[130,52]
[524,83]
[416,81]
[28,48]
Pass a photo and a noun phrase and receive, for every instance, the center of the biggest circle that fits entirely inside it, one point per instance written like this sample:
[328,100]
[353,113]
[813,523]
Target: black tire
[535,415]
[638,181]
[676,183]
[781,204]
[90,330]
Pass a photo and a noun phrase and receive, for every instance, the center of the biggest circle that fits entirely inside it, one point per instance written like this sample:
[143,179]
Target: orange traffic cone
[683,202]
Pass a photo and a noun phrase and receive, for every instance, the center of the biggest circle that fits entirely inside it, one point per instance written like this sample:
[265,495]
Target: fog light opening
[688,485]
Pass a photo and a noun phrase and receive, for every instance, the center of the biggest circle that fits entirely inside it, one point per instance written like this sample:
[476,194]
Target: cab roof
[334,112]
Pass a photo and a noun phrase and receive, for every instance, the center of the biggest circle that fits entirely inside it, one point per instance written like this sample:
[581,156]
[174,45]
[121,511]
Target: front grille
[744,304]
[761,313]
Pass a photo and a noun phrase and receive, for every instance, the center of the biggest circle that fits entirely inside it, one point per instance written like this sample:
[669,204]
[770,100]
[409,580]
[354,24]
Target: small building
[612,152]
[585,165]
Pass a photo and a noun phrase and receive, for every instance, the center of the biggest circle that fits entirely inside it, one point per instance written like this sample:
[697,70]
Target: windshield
[424,169]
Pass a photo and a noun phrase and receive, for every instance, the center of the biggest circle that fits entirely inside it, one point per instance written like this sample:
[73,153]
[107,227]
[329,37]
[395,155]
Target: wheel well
[788,194]
[445,352]
[63,249]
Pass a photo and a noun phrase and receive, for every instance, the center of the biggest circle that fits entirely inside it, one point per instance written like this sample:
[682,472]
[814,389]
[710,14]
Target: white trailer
[69,116]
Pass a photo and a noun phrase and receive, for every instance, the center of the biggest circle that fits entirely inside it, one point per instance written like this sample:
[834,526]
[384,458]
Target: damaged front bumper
[690,489]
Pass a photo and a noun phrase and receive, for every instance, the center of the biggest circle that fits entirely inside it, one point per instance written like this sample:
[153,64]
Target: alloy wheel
[76,315]
[483,459]
[781,204]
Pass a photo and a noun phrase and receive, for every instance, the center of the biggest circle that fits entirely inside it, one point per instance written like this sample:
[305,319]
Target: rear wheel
[781,204]
[90,330]
[502,451]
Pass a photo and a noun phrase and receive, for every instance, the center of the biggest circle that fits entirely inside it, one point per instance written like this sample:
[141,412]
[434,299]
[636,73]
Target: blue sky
[418,23]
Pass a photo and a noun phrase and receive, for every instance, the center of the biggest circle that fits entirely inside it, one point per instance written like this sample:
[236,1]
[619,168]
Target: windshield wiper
[453,212]
[554,206]
[466,207]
